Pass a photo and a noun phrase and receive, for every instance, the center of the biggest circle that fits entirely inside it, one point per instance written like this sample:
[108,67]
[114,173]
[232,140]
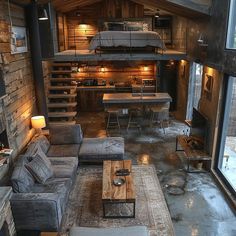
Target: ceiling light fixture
[42,14]
[157,14]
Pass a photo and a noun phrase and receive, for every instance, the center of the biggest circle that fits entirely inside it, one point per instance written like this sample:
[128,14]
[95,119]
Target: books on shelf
[6,151]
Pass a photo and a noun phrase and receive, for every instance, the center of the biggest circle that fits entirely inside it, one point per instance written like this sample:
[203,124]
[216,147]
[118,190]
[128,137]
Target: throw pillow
[65,134]
[40,167]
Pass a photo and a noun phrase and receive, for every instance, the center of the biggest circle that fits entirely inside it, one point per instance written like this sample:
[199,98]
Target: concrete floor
[196,204]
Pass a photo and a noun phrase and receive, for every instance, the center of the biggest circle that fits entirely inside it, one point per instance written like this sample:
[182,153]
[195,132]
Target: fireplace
[2,86]
[4,141]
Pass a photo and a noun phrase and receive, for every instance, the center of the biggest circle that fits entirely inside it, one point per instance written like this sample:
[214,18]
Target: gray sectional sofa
[40,206]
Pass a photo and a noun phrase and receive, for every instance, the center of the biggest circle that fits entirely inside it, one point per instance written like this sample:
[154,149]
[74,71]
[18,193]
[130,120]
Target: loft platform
[86,55]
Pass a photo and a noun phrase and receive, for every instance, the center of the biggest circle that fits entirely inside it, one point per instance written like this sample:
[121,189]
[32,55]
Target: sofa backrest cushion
[40,167]
[21,179]
[65,134]
[41,141]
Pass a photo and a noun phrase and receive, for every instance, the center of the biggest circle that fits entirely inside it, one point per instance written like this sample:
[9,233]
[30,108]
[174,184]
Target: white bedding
[126,39]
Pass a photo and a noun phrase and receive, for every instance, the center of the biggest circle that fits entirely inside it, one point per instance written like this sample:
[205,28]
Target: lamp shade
[38,122]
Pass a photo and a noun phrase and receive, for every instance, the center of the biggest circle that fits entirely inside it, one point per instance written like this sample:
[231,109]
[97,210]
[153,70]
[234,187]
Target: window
[195,89]
[231,35]
[226,159]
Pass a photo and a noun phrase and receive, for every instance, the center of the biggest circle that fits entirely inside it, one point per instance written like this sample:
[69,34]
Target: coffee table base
[118,216]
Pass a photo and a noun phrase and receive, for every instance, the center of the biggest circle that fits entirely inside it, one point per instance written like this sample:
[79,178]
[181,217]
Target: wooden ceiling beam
[186,10]
[73,5]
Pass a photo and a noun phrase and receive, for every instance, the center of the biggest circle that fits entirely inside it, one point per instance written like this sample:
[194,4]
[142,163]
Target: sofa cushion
[59,186]
[41,141]
[124,231]
[21,179]
[68,150]
[99,149]
[65,134]
[65,171]
[40,167]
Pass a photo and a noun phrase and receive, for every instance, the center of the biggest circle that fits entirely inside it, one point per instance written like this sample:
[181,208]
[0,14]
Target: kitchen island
[130,99]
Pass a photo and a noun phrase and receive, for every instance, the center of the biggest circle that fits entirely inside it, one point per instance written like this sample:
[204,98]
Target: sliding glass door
[226,161]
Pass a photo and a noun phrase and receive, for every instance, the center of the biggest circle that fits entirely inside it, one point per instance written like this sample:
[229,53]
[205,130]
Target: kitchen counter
[102,87]
[120,98]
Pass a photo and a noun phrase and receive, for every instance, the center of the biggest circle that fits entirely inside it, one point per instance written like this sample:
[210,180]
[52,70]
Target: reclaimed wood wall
[117,72]
[18,106]
[74,35]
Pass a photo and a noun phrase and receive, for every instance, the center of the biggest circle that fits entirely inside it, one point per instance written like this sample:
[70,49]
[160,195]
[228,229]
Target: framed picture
[18,40]
[208,85]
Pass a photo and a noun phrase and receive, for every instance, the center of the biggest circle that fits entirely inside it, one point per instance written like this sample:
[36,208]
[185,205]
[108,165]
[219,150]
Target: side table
[6,218]
[191,154]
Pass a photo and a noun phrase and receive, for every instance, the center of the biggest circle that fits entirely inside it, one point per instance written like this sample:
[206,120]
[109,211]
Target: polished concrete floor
[196,204]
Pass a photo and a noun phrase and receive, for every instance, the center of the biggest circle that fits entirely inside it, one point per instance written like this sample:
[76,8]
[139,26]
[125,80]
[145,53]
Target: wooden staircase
[62,104]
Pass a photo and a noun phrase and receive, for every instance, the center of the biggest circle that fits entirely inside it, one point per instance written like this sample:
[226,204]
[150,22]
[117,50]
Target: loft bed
[131,40]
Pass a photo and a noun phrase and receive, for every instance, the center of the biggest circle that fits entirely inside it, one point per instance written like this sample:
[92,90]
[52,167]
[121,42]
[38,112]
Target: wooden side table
[191,154]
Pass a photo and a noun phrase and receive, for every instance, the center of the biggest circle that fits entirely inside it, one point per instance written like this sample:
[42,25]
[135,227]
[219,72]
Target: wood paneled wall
[19,103]
[79,35]
[118,72]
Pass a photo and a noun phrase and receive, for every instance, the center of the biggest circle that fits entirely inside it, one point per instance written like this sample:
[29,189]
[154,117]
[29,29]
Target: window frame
[228,29]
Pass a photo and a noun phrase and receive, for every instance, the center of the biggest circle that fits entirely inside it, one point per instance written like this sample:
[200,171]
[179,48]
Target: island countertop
[118,98]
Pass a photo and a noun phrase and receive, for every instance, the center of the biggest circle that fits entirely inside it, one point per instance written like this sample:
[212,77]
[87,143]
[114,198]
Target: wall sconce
[202,41]
[38,122]
[145,68]
[157,14]
[80,69]
[102,69]
[42,14]
[82,24]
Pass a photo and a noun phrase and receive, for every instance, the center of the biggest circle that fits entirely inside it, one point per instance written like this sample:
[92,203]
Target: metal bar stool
[160,115]
[113,118]
[133,114]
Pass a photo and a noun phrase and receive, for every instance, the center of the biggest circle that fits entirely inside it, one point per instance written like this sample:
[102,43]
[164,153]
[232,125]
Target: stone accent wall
[18,105]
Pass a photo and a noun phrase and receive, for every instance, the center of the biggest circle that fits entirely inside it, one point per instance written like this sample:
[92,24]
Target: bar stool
[160,115]
[113,118]
[133,114]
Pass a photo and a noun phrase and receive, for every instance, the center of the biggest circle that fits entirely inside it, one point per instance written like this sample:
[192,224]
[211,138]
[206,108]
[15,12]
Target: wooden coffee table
[112,194]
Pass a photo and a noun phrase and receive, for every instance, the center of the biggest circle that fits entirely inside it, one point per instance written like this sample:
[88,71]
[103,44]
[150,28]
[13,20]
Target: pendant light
[157,14]
[42,14]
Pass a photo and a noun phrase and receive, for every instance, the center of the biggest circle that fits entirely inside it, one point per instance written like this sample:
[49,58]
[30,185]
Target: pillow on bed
[114,26]
[136,26]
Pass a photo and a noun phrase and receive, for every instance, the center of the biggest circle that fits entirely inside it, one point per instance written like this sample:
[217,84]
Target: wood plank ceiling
[185,8]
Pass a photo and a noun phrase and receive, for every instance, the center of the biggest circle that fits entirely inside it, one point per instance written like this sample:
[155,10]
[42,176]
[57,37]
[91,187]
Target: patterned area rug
[85,205]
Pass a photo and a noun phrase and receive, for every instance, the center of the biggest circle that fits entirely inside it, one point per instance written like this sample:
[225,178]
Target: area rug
[85,205]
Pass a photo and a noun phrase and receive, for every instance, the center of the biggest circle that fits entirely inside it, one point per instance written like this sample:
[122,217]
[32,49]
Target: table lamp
[38,122]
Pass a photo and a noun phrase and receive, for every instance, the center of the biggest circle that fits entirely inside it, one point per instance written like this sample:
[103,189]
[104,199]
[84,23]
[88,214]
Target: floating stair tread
[62,104]
[62,114]
[62,122]
[61,72]
[61,87]
[62,95]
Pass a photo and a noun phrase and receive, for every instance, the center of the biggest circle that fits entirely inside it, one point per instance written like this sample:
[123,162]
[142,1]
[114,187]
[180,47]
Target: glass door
[226,162]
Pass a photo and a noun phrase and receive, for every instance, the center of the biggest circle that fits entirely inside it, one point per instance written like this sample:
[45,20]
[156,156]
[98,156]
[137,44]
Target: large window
[226,164]
[231,35]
